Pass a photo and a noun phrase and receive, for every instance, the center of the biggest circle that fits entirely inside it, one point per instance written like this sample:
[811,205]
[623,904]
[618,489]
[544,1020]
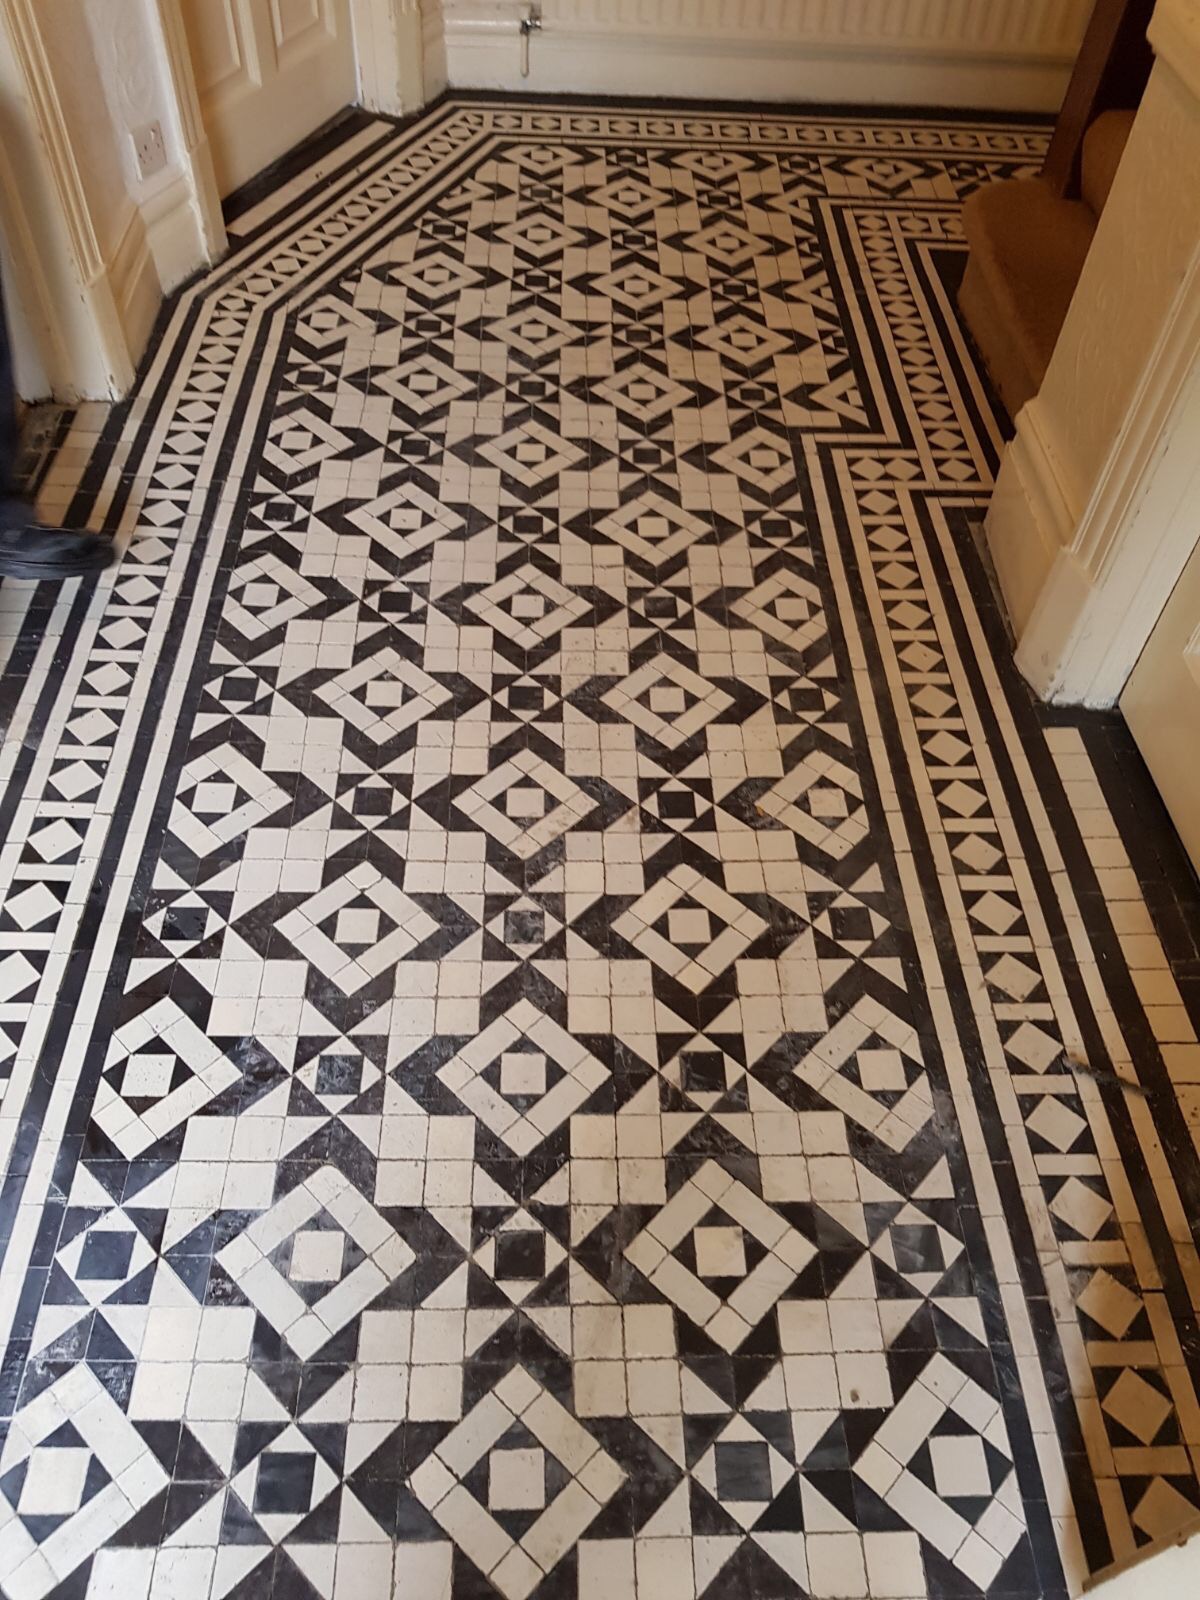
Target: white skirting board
[133,281]
[433,41]
[1010,55]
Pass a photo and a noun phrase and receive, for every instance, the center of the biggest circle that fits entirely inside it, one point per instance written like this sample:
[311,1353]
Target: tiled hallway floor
[563,1013]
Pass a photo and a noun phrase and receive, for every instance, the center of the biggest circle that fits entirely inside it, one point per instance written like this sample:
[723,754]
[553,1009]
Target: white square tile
[894,1567]
[517,1480]
[959,1465]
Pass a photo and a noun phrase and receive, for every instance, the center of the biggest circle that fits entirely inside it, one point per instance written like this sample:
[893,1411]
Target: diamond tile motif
[221,796]
[519,1255]
[786,607]
[652,528]
[101,1259]
[266,594]
[356,928]
[744,1472]
[668,701]
[527,607]
[338,1073]
[517,1431]
[523,1076]
[820,799]
[690,927]
[870,1066]
[159,1070]
[531,454]
[383,695]
[942,1462]
[73,1473]
[406,518]
[525,804]
[283,1484]
[719,1253]
[315,1260]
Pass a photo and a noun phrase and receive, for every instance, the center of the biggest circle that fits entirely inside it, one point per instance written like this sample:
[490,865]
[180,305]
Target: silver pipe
[530,23]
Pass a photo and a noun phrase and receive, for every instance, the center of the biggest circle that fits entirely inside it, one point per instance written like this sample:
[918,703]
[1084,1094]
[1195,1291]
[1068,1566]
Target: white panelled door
[1161,704]
[268,73]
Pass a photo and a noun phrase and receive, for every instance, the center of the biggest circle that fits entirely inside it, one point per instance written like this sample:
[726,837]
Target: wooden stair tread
[1030,247]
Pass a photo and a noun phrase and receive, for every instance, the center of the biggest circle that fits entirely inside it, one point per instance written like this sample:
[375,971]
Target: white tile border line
[1114,1040]
[1130,914]
[1032,1377]
[1174,1371]
[370,138]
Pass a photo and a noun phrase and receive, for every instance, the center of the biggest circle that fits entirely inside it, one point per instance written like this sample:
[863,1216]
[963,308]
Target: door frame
[197,157]
[389,47]
[387,39]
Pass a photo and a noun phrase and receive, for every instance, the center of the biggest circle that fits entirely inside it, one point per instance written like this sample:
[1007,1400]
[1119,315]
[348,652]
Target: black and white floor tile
[567,1031]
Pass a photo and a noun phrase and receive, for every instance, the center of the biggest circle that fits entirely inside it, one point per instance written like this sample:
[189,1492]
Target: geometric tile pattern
[73,1473]
[550,1042]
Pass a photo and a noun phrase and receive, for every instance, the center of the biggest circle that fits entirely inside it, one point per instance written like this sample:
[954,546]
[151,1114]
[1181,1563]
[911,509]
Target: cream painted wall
[52,255]
[110,73]
[976,53]
[433,47]
[395,74]
[112,66]
[130,60]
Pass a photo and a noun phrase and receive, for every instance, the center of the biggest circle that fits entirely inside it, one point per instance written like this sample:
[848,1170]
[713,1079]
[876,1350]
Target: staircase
[1028,247]
[1029,237]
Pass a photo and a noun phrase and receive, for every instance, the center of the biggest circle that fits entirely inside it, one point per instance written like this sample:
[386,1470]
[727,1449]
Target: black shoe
[38,552]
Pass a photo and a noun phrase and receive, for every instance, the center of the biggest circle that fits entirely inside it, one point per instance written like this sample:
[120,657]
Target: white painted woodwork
[1161,702]
[394,57]
[979,53]
[268,72]
[1081,528]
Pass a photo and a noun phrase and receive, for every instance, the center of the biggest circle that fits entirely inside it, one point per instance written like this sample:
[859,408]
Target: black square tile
[285,1482]
[743,1471]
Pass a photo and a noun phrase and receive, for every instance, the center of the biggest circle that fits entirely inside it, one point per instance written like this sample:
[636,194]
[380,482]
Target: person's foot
[39,552]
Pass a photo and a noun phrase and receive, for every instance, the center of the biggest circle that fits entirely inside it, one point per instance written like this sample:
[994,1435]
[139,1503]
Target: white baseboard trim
[433,47]
[1032,518]
[484,53]
[133,282]
[174,232]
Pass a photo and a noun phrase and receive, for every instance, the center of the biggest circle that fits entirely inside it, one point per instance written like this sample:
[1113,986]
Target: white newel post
[1082,530]
[389,43]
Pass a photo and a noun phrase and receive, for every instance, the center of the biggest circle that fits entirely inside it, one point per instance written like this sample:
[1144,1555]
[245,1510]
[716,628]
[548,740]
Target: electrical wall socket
[149,149]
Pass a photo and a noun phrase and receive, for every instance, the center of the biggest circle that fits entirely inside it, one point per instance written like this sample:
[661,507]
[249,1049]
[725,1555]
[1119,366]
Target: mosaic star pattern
[541,1023]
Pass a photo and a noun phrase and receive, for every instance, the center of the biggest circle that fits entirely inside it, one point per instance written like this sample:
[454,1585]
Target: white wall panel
[986,53]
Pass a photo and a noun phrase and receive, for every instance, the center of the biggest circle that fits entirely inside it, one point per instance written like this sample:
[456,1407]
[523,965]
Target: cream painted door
[268,72]
[1161,704]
